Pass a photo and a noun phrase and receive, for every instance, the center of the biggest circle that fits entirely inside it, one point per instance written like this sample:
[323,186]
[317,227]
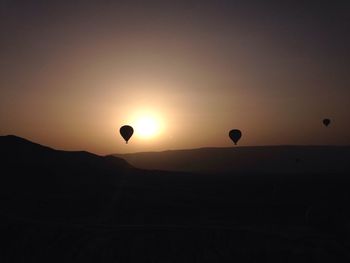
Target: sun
[146,127]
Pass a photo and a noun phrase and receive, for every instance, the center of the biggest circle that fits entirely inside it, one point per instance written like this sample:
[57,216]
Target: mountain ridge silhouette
[71,184]
[294,159]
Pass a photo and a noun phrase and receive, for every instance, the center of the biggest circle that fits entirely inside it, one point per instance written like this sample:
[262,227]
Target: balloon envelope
[326,122]
[126,132]
[235,135]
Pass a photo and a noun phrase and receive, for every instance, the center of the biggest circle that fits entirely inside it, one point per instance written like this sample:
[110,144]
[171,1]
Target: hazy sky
[72,72]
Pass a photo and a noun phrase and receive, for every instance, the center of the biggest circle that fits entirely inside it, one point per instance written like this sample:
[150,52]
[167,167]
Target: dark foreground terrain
[60,206]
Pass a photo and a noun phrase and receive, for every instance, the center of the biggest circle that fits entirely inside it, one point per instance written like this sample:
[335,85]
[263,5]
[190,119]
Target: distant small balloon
[126,132]
[326,122]
[235,135]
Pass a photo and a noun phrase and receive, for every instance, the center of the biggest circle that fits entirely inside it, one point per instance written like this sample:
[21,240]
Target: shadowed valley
[266,204]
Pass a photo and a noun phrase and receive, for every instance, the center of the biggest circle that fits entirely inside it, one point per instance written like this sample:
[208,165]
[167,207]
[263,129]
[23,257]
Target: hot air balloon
[126,132]
[326,122]
[235,135]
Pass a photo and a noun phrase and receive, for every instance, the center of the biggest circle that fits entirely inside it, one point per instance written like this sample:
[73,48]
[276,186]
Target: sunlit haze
[146,127]
[181,73]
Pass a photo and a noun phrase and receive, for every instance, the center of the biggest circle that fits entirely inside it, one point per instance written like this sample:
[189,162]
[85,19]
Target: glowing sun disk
[146,127]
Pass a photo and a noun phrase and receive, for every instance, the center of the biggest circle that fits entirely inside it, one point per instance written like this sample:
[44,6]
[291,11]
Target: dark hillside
[58,206]
[37,180]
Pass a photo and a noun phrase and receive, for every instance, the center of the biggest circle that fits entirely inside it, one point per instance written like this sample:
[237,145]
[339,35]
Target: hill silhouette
[42,181]
[58,206]
[247,160]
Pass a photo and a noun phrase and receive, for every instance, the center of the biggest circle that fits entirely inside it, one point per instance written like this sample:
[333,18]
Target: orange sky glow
[71,81]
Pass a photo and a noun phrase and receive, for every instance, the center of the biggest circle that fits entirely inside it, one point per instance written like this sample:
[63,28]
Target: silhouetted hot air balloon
[126,132]
[326,122]
[235,135]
